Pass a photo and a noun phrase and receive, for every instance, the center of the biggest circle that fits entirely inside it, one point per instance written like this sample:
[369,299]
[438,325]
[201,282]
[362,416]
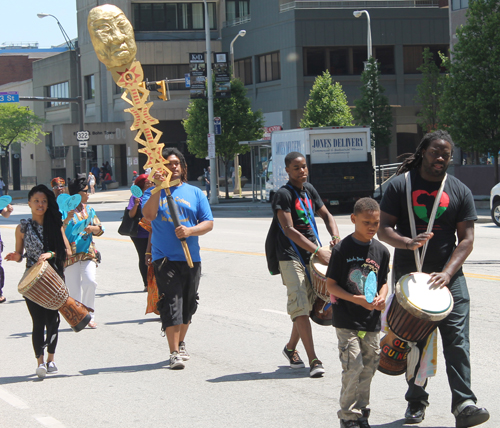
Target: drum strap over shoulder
[419,259]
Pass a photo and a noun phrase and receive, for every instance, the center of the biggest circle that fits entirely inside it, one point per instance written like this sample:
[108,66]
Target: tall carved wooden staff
[112,36]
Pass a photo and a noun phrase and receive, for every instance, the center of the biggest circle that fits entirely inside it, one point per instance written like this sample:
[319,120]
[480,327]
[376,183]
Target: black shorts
[178,291]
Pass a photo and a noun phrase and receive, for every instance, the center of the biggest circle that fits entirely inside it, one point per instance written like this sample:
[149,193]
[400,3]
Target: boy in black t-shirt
[357,265]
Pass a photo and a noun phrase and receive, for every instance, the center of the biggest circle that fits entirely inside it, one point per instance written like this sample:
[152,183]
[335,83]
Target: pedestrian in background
[2,186]
[141,240]
[58,185]
[91,181]
[207,181]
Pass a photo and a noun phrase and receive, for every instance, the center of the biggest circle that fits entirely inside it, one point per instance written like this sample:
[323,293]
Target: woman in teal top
[82,264]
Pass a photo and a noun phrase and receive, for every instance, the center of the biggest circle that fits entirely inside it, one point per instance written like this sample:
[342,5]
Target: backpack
[271,246]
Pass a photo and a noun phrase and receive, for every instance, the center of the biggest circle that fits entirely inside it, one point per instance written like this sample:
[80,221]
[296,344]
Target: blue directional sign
[217,126]
[187,78]
[9,97]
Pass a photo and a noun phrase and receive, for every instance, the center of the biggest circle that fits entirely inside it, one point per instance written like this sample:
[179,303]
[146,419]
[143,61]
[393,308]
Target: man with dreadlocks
[455,218]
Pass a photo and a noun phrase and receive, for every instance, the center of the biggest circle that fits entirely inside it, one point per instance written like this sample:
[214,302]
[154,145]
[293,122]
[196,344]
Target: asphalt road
[118,376]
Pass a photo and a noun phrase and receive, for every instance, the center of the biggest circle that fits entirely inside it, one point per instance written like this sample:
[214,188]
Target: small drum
[322,312]
[42,285]
[418,307]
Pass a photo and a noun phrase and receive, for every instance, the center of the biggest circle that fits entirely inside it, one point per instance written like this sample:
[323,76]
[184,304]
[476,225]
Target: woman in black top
[41,238]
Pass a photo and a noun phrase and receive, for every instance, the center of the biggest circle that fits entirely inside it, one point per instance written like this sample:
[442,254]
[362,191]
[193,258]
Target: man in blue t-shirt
[177,282]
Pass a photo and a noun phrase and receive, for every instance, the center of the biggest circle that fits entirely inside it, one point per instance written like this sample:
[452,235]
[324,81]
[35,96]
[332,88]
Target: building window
[413,57]
[89,87]
[237,9]
[243,70]
[158,72]
[343,61]
[59,90]
[172,16]
[459,4]
[269,67]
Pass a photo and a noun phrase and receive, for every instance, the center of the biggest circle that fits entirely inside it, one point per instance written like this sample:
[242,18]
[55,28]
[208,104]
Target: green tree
[327,104]
[239,123]
[17,124]
[373,108]
[429,93]
[470,106]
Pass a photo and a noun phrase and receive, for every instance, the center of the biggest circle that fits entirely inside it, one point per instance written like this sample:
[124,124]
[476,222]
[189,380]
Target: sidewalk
[122,194]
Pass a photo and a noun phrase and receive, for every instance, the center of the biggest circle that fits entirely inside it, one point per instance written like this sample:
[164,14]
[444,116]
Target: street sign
[211,146]
[9,97]
[187,78]
[83,144]
[83,136]
[217,126]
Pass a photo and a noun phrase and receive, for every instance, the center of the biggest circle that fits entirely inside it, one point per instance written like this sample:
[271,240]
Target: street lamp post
[214,185]
[237,178]
[357,14]
[81,119]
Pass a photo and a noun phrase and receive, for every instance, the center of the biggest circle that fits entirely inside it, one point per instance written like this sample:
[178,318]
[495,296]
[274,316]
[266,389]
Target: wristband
[148,254]
[317,249]
[334,237]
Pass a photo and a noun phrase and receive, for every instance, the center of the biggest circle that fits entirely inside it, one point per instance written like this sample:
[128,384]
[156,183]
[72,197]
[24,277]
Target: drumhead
[416,290]
[319,267]
[31,276]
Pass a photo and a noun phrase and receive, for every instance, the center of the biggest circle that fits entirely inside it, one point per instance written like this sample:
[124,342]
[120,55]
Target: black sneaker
[348,424]
[472,416]
[415,413]
[293,358]
[363,421]
[317,369]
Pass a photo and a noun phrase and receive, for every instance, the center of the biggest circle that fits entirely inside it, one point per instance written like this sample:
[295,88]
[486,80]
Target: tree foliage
[327,104]
[470,106]
[239,123]
[17,124]
[429,93]
[373,108]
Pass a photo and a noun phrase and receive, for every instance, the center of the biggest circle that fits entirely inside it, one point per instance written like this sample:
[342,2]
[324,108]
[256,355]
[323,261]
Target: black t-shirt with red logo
[456,205]
[286,199]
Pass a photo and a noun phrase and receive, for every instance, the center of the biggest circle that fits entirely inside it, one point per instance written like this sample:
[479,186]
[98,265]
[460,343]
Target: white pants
[80,280]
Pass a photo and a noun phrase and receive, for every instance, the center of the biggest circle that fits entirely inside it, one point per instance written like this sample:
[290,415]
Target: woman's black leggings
[43,319]
[141,245]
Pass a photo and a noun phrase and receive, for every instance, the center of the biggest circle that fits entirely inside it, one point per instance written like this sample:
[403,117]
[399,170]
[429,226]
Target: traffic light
[162,89]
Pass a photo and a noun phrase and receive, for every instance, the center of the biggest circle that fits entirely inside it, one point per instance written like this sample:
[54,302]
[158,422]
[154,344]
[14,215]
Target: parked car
[495,204]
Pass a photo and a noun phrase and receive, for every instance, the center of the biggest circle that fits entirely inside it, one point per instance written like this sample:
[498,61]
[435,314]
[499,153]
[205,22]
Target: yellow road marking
[249,253]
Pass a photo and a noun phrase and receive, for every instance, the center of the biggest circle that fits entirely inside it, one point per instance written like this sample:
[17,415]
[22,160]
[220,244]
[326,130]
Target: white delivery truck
[339,160]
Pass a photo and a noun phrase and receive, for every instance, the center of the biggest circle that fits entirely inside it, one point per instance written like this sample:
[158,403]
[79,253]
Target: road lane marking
[49,421]
[12,399]
[249,253]
[274,312]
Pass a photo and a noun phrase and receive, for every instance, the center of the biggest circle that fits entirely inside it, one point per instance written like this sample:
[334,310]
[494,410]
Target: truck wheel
[495,213]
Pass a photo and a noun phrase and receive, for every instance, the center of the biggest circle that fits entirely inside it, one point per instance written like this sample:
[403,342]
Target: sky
[20,23]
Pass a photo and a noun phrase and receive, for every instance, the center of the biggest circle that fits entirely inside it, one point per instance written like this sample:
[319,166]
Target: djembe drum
[322,312]
[44,286]
[416,310]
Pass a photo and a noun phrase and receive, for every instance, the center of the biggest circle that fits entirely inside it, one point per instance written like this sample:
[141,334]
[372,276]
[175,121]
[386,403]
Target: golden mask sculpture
[112,36]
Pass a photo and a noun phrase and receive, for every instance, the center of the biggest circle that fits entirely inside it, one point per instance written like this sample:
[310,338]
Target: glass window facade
[59,90]
[172,16]
[237,9]
[243,70]
[156,72]
[269,67]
